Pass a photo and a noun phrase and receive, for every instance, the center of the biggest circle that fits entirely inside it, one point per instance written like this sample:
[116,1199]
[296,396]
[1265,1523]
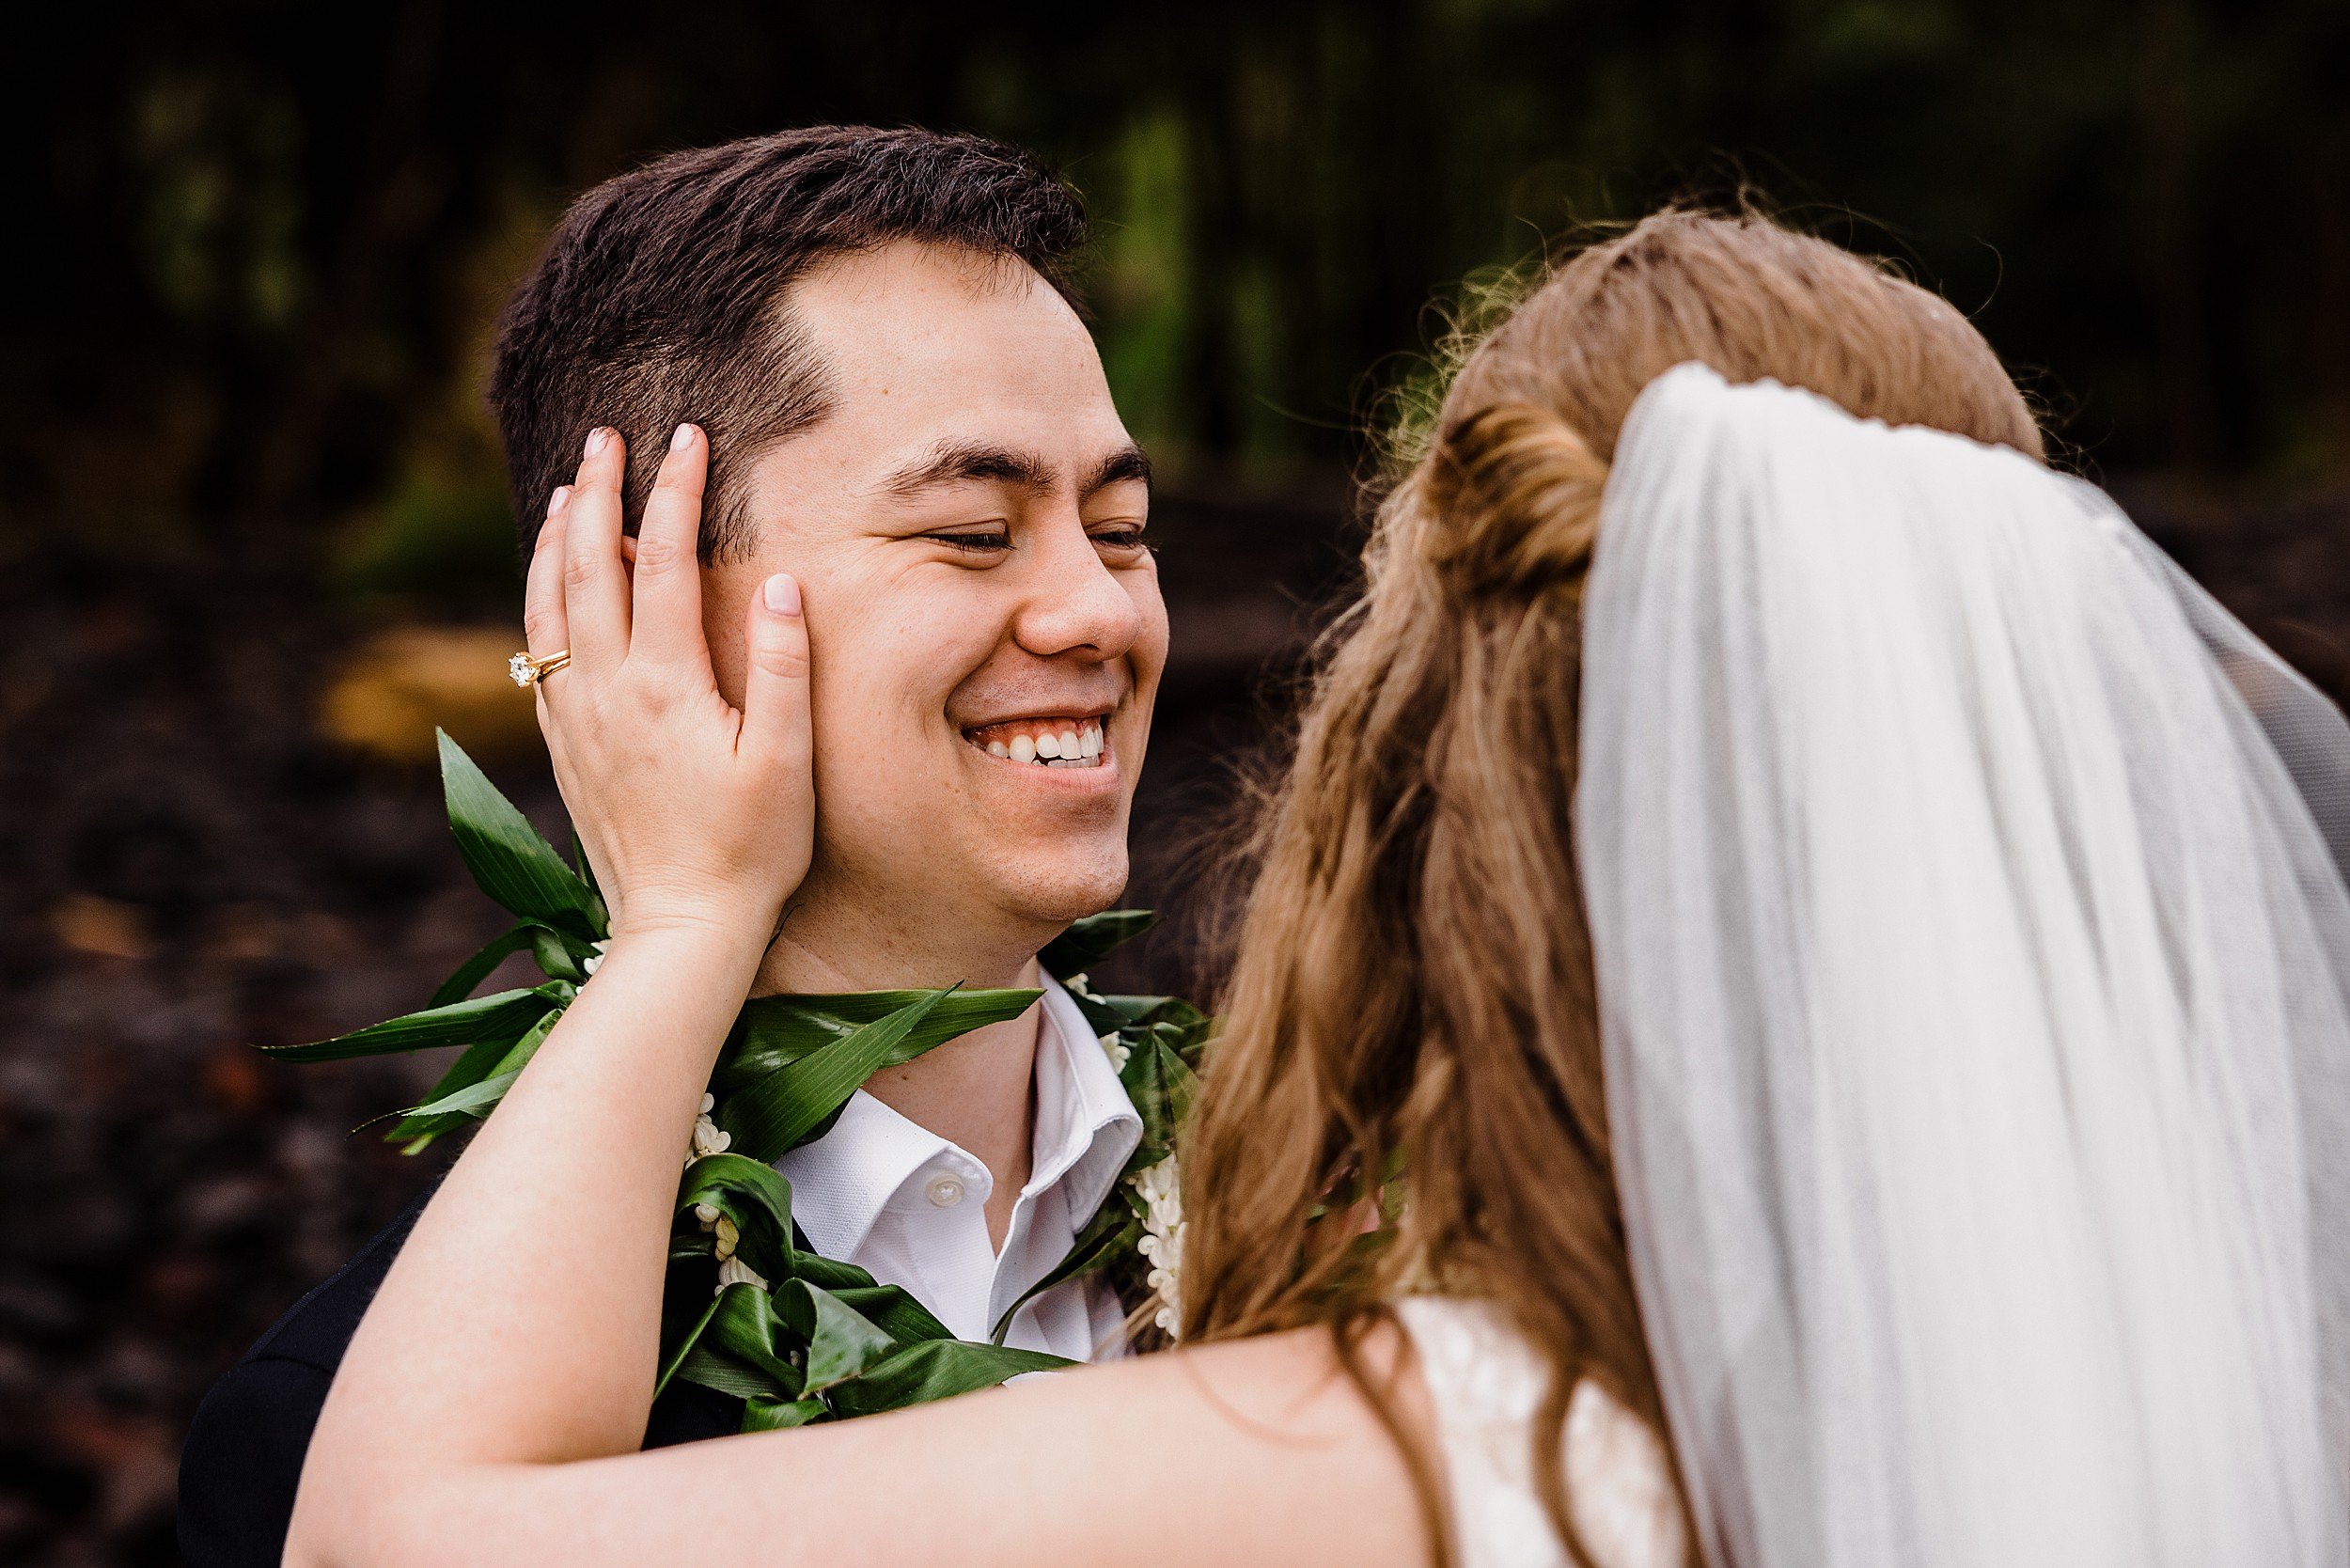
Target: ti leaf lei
[748,1309]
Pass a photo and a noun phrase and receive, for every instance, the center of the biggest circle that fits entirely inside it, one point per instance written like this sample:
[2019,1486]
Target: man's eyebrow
[952,463]
[1128,464]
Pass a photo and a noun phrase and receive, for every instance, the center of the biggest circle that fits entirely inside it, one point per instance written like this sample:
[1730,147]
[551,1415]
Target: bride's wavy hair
[1411,1022]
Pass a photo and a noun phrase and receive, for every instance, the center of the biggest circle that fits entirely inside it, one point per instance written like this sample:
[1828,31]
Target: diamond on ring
[527,671]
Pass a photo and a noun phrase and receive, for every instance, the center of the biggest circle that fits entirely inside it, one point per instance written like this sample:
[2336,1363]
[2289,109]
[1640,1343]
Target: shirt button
[944,1191]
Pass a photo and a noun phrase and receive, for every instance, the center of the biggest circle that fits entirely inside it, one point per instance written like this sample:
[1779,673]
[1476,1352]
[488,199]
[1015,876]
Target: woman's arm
[1256,1451]
[520,1323]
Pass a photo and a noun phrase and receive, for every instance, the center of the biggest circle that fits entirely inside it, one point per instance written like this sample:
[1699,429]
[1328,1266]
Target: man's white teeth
[1049,742]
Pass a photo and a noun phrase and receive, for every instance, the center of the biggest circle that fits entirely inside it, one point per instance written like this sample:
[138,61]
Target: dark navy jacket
[243,1455]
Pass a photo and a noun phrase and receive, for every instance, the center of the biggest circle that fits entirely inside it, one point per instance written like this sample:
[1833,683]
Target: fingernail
[783,593]
[597,439]
[557,502]
[682,439]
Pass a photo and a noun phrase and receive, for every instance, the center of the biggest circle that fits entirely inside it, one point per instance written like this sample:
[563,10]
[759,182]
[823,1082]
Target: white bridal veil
[1974,961]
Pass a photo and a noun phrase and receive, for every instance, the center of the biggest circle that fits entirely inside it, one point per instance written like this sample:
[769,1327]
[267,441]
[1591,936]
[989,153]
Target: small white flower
[734,1271]
[710,1102]
[1119,1051]
[595,959]
[708,1139]
[729,1238]
[705,1215]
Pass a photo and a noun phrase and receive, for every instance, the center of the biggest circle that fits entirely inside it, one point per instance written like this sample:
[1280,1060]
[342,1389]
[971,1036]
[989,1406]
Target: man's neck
[977,1090]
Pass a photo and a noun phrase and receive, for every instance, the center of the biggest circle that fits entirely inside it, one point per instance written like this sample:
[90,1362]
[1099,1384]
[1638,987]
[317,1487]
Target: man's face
[967,527]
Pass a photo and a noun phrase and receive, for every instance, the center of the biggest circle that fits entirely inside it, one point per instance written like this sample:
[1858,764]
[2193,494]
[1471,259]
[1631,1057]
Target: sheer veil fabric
[1974,963]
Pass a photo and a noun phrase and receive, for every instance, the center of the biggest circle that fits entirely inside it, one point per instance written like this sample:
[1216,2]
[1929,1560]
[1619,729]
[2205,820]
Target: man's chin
[1009,891]
[1055,896]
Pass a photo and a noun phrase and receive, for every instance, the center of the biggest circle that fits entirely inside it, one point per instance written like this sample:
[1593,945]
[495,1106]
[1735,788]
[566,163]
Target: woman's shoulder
[1486,1386]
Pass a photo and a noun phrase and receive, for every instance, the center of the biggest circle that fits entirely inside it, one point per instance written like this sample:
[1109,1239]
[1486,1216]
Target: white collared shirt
[910,1207]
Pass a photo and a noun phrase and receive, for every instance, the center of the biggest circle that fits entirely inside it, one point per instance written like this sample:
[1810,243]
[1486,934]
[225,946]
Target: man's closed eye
[974,543]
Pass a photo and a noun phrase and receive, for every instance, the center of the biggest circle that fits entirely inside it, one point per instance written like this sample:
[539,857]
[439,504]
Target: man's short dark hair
[661,297]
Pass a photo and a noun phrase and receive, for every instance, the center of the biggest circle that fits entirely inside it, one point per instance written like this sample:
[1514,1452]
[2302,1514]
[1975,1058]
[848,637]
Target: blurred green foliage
[266,240]
[434,538]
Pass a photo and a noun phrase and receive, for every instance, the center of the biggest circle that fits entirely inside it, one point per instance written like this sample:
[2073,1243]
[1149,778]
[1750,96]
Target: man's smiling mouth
[1053,741]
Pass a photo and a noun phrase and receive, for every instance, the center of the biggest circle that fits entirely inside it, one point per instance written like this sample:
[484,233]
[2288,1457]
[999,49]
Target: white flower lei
[1160,1190]
[710,1139]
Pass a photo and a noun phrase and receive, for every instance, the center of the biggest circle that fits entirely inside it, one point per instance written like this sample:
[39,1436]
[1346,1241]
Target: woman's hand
[694,813]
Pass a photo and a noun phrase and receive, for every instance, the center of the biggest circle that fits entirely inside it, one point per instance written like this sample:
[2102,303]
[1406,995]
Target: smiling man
[905,413]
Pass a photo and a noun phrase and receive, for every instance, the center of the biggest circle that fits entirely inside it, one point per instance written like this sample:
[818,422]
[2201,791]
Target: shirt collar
[1086,1129]
[843,1181]
[1086,1126]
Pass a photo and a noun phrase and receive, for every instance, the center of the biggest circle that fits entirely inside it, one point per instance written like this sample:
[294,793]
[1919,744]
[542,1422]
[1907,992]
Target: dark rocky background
[252,531]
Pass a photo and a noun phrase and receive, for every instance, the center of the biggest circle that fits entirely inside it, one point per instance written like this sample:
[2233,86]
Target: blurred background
[254,541]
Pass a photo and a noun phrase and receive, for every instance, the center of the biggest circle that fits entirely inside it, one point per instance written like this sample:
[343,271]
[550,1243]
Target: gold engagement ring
[528,671]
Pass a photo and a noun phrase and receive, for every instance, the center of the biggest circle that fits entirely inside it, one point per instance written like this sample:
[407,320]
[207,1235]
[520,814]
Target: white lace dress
[1486,1385]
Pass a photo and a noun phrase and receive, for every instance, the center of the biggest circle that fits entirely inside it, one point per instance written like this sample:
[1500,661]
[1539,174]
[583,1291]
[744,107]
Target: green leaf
[774,1415]
[475,970]
[1144,1010]
[755,1197]
[1109,1234]
[1101,1013]
[831,1273]
[480,1061]
[683,1347]
[1086,943]
[713,1368]
[561,955]
[1153,1010]
[936,1370]
[745,1329]
[888,1307]
[586,869]
[508,858]
[769,1119]
[1162,1089]
[774,1033]
[891,1310]
[1194,1042]
[840,1343]
[494,1018]
[488,1091]
[421,1124]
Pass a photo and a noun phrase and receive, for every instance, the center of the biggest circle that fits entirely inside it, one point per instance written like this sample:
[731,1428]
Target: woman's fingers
[667,615]
[595,587]
[544,629]
[775,689]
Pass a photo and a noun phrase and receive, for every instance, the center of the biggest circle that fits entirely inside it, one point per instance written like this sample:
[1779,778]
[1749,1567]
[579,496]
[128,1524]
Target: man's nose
[1074,602]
